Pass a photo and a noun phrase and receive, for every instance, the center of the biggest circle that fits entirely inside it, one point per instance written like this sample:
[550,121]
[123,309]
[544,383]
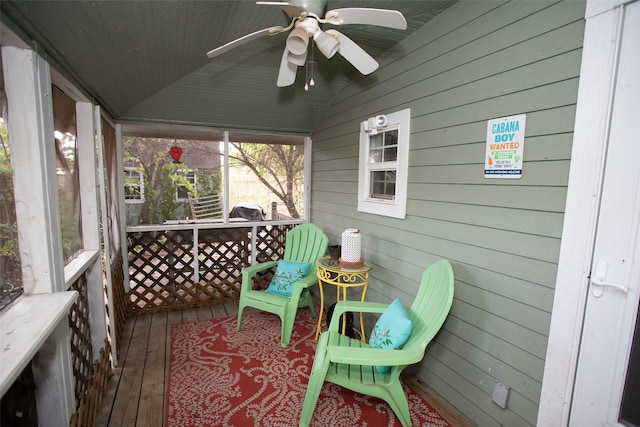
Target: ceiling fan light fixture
[327,44]
[298,41]
[298,60]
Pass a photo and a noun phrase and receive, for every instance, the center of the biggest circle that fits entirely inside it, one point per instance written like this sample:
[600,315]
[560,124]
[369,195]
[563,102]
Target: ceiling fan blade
[287,73]
[244,39]
[362,15]
[355,54]
[291,10]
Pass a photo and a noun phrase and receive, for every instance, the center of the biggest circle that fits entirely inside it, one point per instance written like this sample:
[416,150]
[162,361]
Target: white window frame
[128,172]
[397,206]
[194,184]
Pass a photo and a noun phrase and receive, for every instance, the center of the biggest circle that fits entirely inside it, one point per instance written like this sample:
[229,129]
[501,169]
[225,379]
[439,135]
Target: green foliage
[8,227]
[279,167]
[9,255]
[149,154]
[167,203]
[8,242]
[209,182]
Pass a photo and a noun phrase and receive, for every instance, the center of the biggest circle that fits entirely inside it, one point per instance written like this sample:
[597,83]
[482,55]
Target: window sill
[24,326]
[77,266]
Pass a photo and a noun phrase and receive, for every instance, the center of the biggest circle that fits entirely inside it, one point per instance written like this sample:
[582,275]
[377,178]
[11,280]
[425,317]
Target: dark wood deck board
[126,404]
[151,404]
[110,396]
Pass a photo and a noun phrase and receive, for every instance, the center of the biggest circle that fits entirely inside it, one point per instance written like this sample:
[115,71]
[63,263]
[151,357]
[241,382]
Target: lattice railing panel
[160,257]
[119,300]
[82,353]
[270,242]
[91,400]
[161,265]
[223,253]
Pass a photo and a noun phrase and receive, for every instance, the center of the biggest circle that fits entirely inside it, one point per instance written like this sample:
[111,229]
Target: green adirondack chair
[350,363]
[304,243]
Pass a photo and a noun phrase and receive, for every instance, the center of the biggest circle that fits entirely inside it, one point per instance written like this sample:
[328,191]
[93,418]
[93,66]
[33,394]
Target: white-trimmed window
[384,164]
[133,185]
[182,192]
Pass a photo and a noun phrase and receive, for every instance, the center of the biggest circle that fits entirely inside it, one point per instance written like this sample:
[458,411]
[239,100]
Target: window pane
[391,154]
[132,192]
[165,182]
[183,188]
[267,177]
[391,145]
[376,141]
[391,137]
[10,265]
[383,147]
[133,184]
[377,188]
[391,189]
[263,170]
[68,178]
[383,185]
[375,156]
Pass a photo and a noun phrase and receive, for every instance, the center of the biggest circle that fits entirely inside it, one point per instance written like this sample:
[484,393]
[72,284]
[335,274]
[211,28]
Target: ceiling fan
[305,26]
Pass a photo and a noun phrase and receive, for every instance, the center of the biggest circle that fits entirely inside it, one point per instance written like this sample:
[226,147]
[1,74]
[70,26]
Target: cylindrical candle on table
[351,245]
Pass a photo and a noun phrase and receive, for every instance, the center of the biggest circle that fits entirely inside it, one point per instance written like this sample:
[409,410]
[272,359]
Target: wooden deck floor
[136,392]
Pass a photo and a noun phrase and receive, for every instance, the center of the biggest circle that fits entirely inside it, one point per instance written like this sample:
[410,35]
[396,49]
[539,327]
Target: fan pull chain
[312,82]
[308,82]
[306,74]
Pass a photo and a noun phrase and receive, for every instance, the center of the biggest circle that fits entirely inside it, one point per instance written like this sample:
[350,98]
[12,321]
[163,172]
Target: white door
[607,385]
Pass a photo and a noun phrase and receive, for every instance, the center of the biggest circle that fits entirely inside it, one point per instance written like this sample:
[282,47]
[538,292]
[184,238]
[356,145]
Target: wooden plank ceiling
[145,61]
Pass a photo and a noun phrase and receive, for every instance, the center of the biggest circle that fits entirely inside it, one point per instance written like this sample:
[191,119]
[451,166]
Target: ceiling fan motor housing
[314,6]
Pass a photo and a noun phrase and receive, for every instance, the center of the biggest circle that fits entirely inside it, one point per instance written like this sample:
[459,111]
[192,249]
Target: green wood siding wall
[477,61]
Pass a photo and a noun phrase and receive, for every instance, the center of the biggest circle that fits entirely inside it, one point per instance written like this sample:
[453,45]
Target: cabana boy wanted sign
[505,145]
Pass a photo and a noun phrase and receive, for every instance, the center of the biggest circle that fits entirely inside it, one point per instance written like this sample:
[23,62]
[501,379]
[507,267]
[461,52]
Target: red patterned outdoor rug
[220,377]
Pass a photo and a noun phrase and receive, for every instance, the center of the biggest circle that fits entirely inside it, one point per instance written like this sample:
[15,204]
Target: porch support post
[308,150]
[30,129]
[225,179]
[87,132]
[123,208]
[33,158]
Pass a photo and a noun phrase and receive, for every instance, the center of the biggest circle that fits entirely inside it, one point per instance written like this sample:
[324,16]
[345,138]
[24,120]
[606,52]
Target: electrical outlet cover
[500,394]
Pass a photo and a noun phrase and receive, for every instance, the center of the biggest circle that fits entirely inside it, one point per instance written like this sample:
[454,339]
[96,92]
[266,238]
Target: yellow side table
[332,272]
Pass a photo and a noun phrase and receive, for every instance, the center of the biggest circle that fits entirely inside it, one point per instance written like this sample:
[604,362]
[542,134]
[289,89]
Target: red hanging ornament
[175,152]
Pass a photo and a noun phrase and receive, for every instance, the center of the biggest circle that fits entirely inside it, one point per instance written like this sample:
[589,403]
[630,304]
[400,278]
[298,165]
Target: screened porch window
[68,174]
[10,262]
[262,176]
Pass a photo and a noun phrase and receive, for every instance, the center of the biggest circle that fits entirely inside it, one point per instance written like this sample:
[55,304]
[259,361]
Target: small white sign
[505,145]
